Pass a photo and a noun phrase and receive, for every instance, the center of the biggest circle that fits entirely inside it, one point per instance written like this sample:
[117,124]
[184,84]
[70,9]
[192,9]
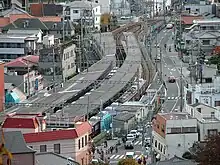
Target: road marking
[172,98]
[135,157]
[73,84]
[140,143]
[168,98]
[121,157]
[178,96]
[117,156]
[136,143]
[112,156]
[171,73]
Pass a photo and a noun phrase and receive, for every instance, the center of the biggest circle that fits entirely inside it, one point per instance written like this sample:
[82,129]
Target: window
[31,146]
[96,10]
[212,132]
[206,42]
[79,144]
[199,110]
[43,148]
[82,142]
[175,130]
[212,114]
[68,66]
[188,41]
[158,146]
[155,143]
[86,140]
[72,65]
[56,148]
[162,129]
[217,103]
[75,11]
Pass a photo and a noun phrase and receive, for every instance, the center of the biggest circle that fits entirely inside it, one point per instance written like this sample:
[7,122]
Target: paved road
[138,149]
[170,67]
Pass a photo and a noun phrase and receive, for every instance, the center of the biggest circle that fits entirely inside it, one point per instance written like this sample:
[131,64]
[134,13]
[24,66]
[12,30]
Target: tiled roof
[188,20]
[14,17]
[19,122]
[14,142]
[50,19]
[58,134]
[23,61]
[4,21]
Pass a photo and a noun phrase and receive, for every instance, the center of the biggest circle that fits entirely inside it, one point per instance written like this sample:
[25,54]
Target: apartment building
[167,128]
[207,93]
[89,12]
[208,119]
[13,46]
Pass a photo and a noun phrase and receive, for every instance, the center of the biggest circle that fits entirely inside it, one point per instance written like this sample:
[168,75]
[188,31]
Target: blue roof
[12,97]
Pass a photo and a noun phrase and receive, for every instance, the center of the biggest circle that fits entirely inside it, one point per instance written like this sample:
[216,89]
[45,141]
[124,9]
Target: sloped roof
[58,134]
[4,21]
[188,20]
[25,122]
[14,142]
[175,161]
[14,17]
[33,23]
[23,61]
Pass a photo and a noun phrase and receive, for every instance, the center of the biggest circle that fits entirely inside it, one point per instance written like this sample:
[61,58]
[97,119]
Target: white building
[208,119]
[205,93]
[89,12]
[173,134]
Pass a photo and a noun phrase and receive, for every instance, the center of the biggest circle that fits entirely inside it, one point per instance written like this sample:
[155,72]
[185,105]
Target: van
[130,155]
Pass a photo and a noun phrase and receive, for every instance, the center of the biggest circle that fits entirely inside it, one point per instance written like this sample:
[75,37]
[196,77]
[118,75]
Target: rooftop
[82,4]
[25,61]
[49,158]
[123,116]
[21,121]
[188,20]
[64,134]
[175,116]
[14,142]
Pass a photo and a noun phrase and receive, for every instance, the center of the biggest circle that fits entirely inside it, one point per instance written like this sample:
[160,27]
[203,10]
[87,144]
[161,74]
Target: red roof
[188,20]
[14,17]
[58,134]
[50,19]
[23,61]
[4,21]
[36,9]
[21,122]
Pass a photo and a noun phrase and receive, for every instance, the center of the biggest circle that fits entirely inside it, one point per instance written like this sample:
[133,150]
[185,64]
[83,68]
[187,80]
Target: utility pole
[29,85]
[88,106]
[81,44]
[156,53]
[164,11]
[161,67]
[63,25]
[54,70]
[138,84]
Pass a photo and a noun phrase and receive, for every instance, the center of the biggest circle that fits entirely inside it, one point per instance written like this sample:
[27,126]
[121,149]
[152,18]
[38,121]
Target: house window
[72,65]
[82,142]
[79,144]
[206,42]
[156,143]
[162,129]
[199,110]
[56,148]
[43,148]
[217,103]
[212,132]
[86,140]
[75,11]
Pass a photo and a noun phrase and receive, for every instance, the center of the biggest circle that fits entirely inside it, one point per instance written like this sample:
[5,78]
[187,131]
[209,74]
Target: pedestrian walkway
[173,98]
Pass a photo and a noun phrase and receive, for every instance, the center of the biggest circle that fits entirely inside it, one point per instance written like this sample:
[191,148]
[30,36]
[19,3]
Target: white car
[134,132]
[131,137]
[169,26]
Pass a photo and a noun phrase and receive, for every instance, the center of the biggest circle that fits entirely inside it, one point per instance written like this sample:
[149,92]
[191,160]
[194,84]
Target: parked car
[131,137]
[169,26]
[129,144]
[134,132]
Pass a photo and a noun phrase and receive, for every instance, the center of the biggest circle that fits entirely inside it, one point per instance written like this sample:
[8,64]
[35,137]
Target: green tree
[210,154]
[127,162]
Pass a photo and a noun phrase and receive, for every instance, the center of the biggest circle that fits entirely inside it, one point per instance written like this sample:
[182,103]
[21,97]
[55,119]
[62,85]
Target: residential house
[2,88]
[44,9]
[26,123]
[139,109]
[175,161]
[14,142]
[23,74]
[123,122]
[47,27]
[208,119]
[64,60]
[203,34]
[13,10]
[207,92]
[95,122]
[72,142]
[13,46]
[89,12]
[167,127]
[13,95]
[49,158]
